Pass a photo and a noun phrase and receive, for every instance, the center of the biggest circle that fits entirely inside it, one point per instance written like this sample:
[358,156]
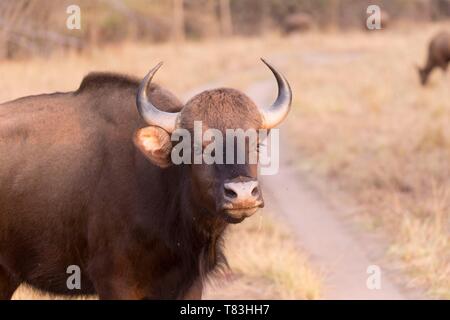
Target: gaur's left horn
[275,114]
[151,114]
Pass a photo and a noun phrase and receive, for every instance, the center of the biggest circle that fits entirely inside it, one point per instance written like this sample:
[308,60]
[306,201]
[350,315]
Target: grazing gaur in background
[86,179]
[385,19]
[438,56]
[297,22]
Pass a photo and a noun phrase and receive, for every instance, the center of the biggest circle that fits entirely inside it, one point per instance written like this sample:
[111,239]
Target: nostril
[230,193]
[255,191]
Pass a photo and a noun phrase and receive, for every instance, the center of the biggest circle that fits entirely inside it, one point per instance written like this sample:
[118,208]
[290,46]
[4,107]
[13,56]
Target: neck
[202,229]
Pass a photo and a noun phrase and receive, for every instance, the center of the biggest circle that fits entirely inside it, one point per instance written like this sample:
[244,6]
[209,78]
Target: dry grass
[366,124]
[28,293]
[265,250]
[186,66]
[266,261]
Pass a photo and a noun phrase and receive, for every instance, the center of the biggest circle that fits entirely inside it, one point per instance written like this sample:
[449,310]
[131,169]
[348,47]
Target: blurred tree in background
[29,27]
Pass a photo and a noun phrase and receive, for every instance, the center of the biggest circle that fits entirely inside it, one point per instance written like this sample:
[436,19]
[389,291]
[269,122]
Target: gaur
[86,179]
[438,56]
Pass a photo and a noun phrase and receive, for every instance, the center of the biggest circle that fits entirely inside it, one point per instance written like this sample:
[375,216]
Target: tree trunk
[334,14]
[226,23]
[178,20]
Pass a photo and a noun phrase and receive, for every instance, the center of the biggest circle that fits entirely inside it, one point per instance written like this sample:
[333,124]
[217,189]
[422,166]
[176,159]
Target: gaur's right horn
[151,114]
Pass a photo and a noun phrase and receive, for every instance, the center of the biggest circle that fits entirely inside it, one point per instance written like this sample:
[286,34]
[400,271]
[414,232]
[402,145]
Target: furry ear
[155,144]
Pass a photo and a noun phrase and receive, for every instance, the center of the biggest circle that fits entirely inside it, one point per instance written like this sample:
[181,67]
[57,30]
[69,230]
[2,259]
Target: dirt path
[334,244]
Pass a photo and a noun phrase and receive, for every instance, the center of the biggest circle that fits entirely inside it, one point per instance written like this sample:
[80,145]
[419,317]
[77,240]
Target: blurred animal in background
[298,22]
[385,19]
[438,56]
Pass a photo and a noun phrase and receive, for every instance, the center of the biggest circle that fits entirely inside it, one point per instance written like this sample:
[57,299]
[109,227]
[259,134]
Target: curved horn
[151,114]
[276,113]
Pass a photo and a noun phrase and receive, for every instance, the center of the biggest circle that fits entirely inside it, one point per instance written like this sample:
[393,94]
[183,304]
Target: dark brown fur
[74,190]
[297,22]
[235,109]
[438,56]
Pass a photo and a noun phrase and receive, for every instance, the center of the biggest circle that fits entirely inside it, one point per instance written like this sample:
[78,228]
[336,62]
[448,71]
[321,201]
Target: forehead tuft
[221,109]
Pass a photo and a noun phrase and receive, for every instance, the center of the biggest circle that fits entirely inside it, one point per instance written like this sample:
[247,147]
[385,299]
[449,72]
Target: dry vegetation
[366,125]
[267,264]
[186,66]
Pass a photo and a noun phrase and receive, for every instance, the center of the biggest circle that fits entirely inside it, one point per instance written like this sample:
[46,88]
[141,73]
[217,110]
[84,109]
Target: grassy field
[185,67]
[263,251]
[266,262]
[368,128]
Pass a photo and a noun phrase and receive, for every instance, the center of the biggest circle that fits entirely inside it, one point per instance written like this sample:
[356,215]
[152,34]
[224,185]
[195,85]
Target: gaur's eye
[259,146]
